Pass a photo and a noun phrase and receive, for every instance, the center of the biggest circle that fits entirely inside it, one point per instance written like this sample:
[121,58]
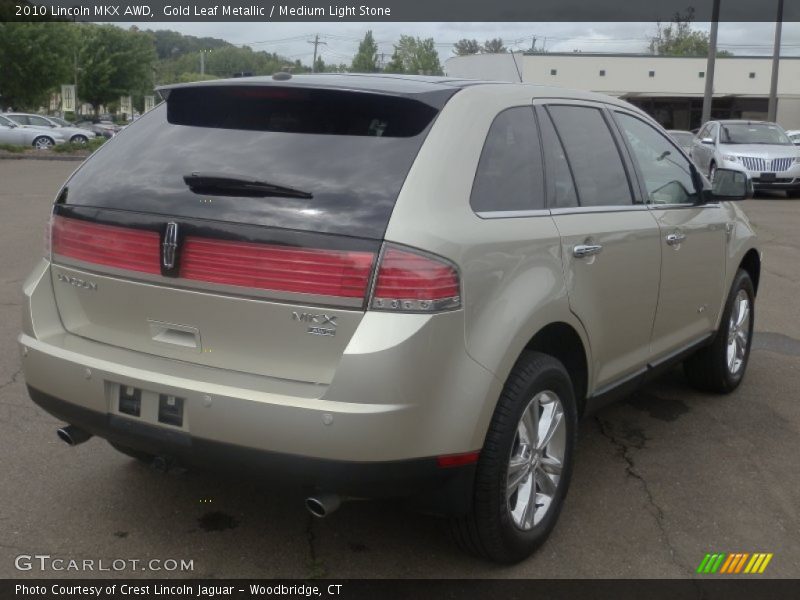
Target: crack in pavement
[623,449]
[316,567]
[12,380]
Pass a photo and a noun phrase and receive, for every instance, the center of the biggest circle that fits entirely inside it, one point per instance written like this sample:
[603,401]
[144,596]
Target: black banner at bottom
[346,589]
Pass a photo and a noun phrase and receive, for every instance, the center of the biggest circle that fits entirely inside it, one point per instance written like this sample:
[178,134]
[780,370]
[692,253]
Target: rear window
[348,153]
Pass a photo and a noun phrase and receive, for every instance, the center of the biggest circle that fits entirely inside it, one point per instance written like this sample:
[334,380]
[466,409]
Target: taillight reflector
[118,247]
[408,281]
[457,460]
[338,273]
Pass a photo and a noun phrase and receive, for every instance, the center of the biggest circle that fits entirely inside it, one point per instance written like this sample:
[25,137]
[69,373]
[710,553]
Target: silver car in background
[75,135]
[762,150]
[12,133]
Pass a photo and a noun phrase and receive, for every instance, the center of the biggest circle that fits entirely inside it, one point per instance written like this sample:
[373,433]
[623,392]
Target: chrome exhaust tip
[323,505]
[72,435]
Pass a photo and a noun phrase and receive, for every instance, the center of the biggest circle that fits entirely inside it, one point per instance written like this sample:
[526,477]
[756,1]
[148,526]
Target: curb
[11,156]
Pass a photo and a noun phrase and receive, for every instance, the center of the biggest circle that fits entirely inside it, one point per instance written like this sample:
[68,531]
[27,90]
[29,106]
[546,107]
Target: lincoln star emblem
[169,246]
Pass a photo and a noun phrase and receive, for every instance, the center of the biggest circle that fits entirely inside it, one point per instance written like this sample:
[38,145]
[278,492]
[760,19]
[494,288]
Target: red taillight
[309,271]
[457,460]
[408,281]
[118,247]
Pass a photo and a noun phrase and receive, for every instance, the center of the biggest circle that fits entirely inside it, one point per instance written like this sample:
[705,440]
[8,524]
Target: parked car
[760,149]
[13,133]
[106,129]
[683,138]
[794,135]
[367,283]
[76,135]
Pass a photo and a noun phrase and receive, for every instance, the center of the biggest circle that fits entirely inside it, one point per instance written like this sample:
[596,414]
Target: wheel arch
[751,263]
[561,341]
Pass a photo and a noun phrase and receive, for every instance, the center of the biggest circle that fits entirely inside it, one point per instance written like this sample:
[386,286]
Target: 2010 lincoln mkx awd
[385,286]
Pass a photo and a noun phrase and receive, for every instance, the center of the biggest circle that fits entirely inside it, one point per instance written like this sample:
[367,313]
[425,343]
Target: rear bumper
[428,487]
[398,400]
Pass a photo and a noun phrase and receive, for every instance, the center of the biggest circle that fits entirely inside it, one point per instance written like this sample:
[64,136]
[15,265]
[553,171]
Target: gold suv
[385,286]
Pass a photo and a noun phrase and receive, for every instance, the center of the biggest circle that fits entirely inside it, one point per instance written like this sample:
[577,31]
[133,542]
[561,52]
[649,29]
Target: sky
[341,39]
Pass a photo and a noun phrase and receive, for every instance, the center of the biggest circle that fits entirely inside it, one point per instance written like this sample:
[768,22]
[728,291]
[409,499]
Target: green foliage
[220,63]
[70,147]
[113,62]
[366,59]
[171,44]
[415,56]
[12,148]
[494,46]
[36,58]
[679,39]
[465,47]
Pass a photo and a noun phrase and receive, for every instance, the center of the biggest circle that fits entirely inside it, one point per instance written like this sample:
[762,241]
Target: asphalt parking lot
[661,478]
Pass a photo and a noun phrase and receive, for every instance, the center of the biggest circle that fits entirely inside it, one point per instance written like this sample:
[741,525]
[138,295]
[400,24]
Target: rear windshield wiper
[236,185]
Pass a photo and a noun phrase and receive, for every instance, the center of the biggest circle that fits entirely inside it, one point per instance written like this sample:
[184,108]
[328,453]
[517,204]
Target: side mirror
[729,185]
[709,141]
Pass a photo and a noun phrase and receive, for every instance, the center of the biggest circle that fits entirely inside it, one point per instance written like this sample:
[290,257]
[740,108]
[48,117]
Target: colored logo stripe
[734,563]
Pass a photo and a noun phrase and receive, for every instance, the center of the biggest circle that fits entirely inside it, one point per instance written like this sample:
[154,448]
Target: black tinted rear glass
[298,110]
[348,152]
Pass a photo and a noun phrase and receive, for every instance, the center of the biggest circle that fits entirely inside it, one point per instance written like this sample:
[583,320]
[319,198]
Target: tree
[465,47]
[494,46]
[679,39]
[366,59]
[415,56]
[35,58]
[113,62]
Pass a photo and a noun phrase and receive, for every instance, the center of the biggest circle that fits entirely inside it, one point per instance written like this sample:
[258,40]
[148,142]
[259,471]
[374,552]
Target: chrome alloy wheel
[738,332]
[536,461]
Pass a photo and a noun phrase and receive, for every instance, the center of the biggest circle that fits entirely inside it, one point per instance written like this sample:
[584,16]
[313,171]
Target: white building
[668,88]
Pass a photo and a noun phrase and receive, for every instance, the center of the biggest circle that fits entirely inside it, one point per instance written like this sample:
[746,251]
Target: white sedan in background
[16,135]
[75,135]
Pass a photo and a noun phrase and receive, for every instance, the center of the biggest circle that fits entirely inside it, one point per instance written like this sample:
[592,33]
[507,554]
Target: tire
[43,143]
[496,526]
[79,139]
[720,366]
[143,457]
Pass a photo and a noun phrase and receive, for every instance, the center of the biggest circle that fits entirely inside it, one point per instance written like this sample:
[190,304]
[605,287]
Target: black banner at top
[394,10]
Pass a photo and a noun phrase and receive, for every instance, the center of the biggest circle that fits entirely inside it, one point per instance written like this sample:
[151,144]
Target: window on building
[553,71]
[652,74]
[701,74]
[602,72]
[752,75]
[510,173]
[593,157]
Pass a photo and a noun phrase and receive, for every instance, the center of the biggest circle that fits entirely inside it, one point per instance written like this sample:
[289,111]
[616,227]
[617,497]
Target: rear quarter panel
[511,268]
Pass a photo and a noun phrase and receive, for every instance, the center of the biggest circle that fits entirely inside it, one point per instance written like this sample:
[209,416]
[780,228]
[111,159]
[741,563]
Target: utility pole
[75,64]
[316,43]
[772,114]
[202,62]
[710,64]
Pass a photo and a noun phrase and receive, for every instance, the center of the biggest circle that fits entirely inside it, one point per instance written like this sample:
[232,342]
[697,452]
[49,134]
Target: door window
[593,156]
[560,185]
[510,175]
[39,122]
[667,174]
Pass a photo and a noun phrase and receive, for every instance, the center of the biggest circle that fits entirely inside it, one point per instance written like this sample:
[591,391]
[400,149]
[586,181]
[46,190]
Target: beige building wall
[632,76]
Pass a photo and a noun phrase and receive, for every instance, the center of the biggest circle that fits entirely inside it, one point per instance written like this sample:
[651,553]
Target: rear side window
[593,156]
[509,175]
